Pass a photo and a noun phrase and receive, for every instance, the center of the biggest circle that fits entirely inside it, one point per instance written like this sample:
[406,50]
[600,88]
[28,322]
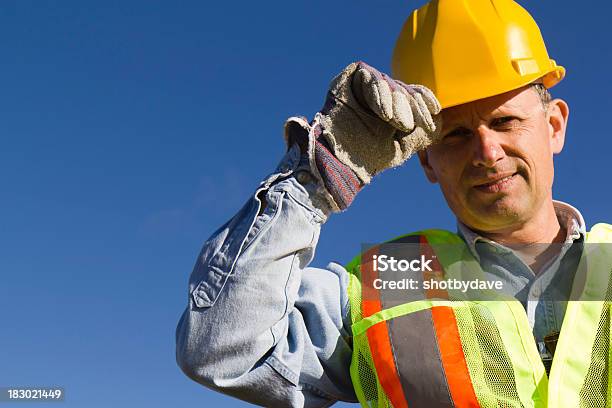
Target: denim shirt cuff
[308,189]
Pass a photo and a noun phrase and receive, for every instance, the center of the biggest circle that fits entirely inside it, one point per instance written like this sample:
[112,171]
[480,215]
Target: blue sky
[131,130]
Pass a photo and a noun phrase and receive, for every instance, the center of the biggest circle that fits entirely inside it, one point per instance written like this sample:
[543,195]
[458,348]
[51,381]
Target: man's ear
[429,171]
[557,115]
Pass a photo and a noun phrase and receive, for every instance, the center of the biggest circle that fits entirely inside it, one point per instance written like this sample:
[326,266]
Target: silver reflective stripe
[415,347]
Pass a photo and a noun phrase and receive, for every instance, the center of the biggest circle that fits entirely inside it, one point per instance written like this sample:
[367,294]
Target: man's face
[494,163]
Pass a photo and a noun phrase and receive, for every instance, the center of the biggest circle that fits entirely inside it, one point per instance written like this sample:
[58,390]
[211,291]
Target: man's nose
[487,148]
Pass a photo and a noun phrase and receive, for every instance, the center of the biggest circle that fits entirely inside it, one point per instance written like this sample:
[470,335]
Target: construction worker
[265,327]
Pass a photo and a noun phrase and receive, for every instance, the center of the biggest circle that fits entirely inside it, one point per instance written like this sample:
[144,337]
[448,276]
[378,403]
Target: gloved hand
[369,123]
[372,122]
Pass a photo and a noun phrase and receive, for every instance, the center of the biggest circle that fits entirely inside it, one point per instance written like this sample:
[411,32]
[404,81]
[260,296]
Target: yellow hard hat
[464,50]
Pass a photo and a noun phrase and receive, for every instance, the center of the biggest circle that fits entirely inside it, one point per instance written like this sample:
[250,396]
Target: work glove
[369,123]
[373,122]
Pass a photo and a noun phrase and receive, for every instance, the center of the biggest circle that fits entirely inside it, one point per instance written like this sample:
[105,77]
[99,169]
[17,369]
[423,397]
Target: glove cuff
[340,183]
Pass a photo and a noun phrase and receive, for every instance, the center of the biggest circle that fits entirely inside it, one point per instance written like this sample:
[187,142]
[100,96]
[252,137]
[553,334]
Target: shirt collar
[569,218]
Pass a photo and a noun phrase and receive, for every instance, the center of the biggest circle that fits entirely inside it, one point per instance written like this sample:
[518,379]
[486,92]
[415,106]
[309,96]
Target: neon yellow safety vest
[436,352]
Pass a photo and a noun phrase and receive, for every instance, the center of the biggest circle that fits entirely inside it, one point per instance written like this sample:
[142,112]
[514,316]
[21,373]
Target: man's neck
[536,241]
[543,228]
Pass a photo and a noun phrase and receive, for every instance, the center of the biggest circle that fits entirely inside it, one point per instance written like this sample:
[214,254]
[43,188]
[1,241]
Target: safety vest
[436,352]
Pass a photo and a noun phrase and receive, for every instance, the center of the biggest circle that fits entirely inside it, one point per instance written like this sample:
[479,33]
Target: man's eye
[504,121]
[458,133]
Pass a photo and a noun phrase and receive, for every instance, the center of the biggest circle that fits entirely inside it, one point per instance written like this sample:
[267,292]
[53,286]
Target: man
[264,326]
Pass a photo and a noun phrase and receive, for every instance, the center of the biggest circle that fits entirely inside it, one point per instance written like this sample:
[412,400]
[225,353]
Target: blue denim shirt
[261,324]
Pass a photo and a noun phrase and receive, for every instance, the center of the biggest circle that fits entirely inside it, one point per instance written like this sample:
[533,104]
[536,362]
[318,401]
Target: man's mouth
[498,184]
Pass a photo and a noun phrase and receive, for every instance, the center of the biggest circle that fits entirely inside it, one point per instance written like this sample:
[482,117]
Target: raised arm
[261,324]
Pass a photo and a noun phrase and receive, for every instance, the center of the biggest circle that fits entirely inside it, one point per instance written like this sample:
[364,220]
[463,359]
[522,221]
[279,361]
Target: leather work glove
[373,122]
[369,123]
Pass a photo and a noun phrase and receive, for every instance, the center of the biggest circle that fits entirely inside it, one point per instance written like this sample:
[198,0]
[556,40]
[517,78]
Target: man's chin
[501,213]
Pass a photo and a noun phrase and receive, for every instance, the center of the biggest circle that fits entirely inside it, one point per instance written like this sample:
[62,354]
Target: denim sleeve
[261,325]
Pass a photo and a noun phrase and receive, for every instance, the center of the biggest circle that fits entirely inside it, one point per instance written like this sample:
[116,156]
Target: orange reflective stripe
[384,362]
[378,335]
[370,297]
[453,359]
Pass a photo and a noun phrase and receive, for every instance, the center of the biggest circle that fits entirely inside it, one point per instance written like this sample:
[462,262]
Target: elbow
[191,357]
[204,360]
[195,369]
[200,368]
[208,369]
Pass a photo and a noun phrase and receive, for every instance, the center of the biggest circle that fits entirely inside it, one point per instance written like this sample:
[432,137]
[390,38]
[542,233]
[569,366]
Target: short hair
[543,93]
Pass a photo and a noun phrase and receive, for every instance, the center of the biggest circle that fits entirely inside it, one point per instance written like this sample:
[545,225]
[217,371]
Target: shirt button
[303,177]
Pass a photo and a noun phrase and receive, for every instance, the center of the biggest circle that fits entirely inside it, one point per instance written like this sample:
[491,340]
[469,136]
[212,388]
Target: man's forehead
[519,101]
